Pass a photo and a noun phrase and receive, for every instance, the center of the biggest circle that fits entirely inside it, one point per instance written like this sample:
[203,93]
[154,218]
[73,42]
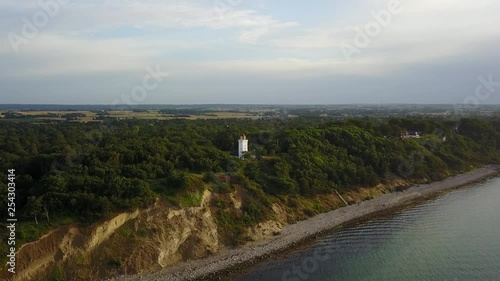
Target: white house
[410,135]
[242,146]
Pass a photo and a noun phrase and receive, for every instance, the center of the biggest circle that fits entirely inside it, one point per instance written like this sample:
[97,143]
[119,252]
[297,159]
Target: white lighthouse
[242,146]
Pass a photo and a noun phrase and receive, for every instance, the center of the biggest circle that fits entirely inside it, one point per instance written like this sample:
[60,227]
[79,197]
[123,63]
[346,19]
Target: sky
[249,51]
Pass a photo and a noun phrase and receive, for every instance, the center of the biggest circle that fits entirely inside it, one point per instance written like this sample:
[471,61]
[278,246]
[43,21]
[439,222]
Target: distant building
[242,146]
[410,135]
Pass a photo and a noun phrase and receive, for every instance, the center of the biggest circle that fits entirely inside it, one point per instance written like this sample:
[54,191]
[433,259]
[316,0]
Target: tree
[34,207]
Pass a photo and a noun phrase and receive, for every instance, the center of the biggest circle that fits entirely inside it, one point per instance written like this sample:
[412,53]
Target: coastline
[227,262]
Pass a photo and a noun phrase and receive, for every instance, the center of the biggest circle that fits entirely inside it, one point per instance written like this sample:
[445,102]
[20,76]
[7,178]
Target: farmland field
[93,116]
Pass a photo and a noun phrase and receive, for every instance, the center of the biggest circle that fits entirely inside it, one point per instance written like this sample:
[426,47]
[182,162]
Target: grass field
[123,114]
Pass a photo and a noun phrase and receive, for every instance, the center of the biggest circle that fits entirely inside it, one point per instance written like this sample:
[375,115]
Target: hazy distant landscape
[94,113]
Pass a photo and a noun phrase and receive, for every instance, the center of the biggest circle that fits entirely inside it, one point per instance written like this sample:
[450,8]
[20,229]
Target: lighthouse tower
[242,146]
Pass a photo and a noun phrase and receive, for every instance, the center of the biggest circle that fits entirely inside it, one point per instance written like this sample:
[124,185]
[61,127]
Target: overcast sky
[248,51]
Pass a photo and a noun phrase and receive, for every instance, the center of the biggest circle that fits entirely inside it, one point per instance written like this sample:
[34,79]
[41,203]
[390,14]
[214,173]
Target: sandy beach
[234,259]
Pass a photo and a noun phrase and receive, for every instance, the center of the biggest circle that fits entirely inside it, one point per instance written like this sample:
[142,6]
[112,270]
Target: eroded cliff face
[155,238]
[177,235]
[129,243]
[55,248]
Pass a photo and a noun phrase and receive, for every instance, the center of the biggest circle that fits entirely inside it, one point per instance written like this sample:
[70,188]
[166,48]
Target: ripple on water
[454,237]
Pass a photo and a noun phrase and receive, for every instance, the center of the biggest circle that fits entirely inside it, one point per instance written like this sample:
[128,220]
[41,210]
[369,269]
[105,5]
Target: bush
[57,274]
[309,212]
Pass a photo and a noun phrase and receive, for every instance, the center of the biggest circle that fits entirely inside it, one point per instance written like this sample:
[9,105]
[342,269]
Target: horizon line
[258,104]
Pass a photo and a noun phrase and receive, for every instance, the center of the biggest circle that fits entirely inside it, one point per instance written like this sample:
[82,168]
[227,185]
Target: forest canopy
[90,170]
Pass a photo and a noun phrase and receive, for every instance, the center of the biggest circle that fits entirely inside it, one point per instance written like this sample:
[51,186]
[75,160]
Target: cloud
[111,14]
[254,35]
[85,37]
[426,30]
[51,55]
[197,40]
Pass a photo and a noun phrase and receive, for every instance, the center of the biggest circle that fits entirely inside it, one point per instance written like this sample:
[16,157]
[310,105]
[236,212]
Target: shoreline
[231,261]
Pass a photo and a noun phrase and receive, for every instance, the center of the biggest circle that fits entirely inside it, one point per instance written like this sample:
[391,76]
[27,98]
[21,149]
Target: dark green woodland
[83,172]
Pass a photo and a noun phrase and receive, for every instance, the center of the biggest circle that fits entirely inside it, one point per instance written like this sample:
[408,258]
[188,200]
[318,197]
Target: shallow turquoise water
[452,238]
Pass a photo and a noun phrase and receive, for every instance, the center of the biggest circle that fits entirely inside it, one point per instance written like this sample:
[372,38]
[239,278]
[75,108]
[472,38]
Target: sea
[454,237]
